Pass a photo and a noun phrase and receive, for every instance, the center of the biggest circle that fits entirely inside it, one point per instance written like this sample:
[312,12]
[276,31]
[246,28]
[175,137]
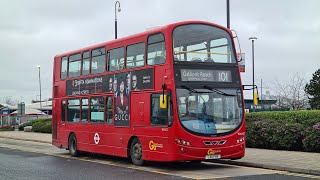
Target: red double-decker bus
[172,93]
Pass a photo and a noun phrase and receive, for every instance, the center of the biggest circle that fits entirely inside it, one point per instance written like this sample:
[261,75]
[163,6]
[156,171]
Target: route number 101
[223,76]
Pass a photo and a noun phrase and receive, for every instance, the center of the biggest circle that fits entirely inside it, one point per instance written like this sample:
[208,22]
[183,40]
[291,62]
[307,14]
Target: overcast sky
[32,32]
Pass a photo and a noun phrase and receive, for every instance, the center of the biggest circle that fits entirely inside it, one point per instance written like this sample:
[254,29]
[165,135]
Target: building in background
[22,113]
[268,102]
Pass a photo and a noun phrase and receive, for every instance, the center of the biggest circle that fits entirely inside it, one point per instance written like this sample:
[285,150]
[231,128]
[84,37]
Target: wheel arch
[129,144]
[69,138]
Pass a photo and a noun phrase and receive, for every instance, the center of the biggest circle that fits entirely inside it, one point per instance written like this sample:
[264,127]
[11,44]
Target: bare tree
[291,94]
[10,101]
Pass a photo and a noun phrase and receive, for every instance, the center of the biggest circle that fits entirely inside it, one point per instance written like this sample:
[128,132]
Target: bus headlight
[241,140]
[182,142]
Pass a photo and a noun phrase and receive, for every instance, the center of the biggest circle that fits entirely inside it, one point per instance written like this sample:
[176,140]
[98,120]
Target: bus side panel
[153,138]
[54,122]
[55,134]
[62,139]
[103,140]
[139,109]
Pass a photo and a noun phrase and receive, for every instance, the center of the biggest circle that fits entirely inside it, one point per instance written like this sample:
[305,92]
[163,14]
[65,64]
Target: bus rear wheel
[73,147]
[136,152]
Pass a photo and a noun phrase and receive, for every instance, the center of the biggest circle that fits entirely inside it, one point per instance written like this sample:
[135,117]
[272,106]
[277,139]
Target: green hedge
[303,117]
[43,125]
[7,128]
[290,130]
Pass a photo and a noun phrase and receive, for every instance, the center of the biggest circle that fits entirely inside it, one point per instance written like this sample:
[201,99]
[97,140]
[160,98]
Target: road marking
[299,175]
[88,159]
[129,166]
[245,167]
[188,173]
[119,165]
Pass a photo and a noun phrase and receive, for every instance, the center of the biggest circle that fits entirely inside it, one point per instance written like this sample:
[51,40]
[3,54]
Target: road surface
[33,160]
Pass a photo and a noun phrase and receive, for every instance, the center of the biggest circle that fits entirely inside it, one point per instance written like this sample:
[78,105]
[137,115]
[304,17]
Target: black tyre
[136,152]
[73,148]
[195,162]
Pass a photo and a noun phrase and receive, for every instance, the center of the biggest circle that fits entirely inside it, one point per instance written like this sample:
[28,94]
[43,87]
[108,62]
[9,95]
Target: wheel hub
[137,151]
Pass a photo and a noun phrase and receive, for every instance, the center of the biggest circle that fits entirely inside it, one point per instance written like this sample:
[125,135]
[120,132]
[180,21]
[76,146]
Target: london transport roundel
[96,138]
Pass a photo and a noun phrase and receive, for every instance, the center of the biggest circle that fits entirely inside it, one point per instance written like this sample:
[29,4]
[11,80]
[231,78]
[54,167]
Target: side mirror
[163,101]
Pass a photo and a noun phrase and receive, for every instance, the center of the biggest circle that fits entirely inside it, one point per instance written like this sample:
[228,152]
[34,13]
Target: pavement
[292,161]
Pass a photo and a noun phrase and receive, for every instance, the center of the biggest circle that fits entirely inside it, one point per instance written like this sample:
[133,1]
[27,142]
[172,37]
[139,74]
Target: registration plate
[214,156]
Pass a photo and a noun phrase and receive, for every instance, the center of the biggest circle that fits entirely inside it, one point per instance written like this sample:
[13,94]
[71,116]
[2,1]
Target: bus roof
[147,32]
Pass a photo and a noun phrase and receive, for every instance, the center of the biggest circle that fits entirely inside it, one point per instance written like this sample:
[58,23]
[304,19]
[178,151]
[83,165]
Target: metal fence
[9,120]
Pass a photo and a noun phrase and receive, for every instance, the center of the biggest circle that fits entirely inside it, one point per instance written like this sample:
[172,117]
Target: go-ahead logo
[153,146]
[212,152]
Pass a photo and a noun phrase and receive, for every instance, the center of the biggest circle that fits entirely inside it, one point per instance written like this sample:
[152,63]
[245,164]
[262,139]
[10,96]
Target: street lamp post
[115,14]
[252,40]
[40,88]
[228,15]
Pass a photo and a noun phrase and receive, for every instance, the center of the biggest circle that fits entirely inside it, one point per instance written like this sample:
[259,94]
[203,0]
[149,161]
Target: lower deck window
[84,110]
[97,110]
[109,110]
[159,116]
[73,112]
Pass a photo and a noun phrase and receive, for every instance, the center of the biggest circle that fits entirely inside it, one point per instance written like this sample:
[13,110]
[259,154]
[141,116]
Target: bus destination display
[206,75]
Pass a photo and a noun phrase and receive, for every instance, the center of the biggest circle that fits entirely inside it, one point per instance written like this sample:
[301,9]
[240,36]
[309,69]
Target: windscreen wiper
[218,91]
[189,88]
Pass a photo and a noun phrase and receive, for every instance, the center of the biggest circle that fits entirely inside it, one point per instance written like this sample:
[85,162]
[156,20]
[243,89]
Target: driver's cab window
[182,106]
[161,116]
[225,109]
[217,108]
[192,104]
[195,104]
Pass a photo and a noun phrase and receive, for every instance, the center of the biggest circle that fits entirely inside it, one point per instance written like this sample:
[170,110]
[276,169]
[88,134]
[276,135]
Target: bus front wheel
[136,152]
[73,149]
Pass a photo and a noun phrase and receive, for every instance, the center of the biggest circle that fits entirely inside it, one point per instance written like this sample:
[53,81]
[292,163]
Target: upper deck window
[64,68]
[202,43]
[135,55]
[98,64]
[86,63]
[116,59]
[156,49]
[74,65]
